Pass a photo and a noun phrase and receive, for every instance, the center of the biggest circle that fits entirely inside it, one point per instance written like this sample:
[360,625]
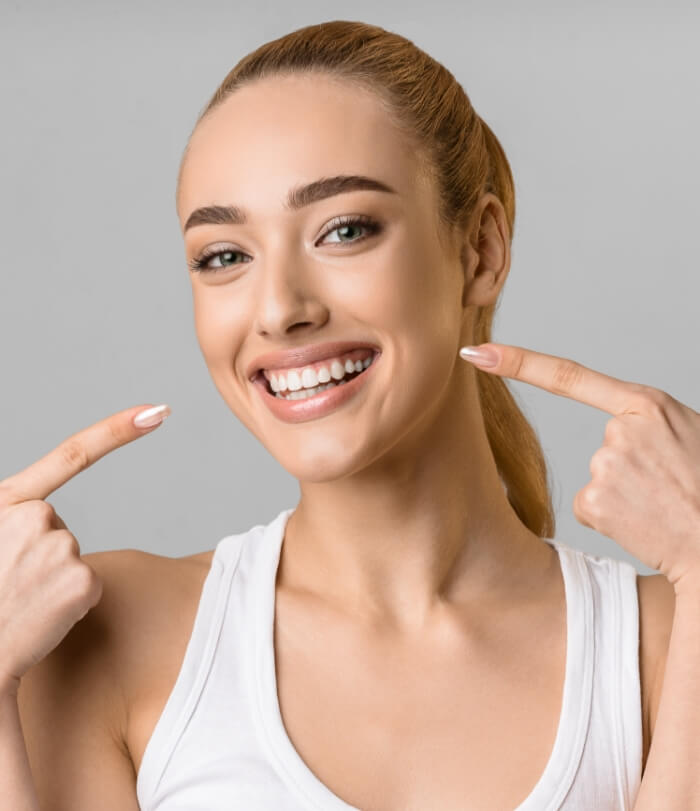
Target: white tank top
[220,742]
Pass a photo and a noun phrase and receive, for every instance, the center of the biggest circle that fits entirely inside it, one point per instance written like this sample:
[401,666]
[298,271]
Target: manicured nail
[151,416]
[479,356]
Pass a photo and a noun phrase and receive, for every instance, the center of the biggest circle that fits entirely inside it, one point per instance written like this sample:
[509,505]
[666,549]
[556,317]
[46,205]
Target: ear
[485,253]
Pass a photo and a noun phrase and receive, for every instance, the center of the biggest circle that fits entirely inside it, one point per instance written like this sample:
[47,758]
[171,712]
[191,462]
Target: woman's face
[291,278]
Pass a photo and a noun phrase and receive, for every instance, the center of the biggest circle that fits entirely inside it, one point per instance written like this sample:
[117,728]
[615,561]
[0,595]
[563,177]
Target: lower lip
[317,406]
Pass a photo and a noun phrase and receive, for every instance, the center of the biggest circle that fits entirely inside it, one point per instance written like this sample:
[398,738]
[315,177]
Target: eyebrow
[297,198]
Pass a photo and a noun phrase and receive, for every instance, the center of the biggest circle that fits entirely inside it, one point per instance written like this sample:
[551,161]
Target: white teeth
[309,378]
[312,381]
[337,370]
[293,381]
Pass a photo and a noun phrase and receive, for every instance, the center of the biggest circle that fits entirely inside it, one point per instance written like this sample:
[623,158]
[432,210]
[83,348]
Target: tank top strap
[195,666]
[608,770]
[555,782]
[625,687]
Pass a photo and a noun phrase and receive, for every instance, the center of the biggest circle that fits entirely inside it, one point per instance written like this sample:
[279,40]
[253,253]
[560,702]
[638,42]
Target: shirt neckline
[558,775]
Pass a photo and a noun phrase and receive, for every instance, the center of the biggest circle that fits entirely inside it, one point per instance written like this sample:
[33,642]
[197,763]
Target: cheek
[416,284]
[218,328]
[419,309]
[425,327]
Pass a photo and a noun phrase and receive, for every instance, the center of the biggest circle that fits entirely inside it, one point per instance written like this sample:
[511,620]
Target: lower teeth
[303,394]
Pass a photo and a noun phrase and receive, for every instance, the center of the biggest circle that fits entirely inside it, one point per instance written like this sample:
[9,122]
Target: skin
[403,473]
[425,549]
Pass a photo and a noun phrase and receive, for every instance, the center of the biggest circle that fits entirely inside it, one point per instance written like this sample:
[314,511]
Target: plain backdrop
[597,108]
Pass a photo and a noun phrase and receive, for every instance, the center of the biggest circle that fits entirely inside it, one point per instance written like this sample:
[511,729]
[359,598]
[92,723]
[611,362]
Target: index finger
[73,455]
[565,377]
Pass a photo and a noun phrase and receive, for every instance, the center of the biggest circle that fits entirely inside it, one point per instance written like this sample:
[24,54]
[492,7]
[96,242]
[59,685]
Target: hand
[645,486]
[45,587]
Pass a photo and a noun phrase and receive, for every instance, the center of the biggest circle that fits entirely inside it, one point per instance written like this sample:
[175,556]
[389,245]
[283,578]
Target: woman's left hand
[645,487]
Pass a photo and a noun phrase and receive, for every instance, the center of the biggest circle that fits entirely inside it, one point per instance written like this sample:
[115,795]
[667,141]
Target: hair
[463,158]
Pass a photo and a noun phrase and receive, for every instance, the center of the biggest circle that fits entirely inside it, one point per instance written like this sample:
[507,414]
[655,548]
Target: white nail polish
[151,416]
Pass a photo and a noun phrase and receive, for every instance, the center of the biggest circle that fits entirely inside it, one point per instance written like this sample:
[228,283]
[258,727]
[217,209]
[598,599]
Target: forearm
[16,781]
[671,778]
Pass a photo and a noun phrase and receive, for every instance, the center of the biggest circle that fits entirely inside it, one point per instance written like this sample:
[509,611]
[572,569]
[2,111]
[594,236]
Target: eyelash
[199,265]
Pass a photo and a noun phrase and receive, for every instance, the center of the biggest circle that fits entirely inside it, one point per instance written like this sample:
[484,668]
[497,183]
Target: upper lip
[303,355]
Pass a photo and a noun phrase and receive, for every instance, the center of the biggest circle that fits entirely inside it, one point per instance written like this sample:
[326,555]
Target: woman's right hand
[45,586]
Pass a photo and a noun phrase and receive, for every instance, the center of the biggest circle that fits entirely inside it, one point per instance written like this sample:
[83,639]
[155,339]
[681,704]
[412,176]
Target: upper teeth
[310,376]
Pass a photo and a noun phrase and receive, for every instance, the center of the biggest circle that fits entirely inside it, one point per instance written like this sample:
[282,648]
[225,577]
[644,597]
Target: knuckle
[579,510]
[88,582]
[614,430]
[567,373]
[589,501]
[117,432]
[517,360]
[41,513]
[602,462]
[74,454]
[654,400]
[66,544]
[59,523]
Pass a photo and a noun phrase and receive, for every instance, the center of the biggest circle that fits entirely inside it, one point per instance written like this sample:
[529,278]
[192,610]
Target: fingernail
[151,416]
[480,357]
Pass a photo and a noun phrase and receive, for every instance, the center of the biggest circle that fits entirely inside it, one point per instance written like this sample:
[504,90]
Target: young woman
[409,635]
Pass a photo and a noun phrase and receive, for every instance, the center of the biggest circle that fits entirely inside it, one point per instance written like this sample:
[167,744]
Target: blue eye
[340,224]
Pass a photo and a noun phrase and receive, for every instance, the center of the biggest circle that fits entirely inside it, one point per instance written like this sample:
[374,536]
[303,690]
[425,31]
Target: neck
[426,526]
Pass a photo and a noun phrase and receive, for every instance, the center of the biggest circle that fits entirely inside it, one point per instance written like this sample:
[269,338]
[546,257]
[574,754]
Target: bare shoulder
[75,704]
[71,702]
[146,599]
[154,603]
[656,607]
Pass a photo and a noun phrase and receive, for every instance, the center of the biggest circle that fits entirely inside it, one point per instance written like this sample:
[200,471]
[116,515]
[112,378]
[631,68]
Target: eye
[201,263]
[342,225]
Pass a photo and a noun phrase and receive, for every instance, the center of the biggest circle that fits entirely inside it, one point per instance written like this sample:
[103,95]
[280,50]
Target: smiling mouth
[306,392]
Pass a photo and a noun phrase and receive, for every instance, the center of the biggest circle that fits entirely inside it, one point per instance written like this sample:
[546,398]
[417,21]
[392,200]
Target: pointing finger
[560,376]
[75,454]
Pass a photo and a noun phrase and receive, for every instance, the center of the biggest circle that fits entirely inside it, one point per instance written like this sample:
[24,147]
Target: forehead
[281,131]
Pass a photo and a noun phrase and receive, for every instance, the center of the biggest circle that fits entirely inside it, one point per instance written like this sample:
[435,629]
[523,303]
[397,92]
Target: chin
[321,459]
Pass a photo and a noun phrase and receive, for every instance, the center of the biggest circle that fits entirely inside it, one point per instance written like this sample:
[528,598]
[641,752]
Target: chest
[463,720]
[442,723]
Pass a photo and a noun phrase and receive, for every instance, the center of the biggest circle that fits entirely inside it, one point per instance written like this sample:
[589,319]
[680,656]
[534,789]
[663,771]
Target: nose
[288,300]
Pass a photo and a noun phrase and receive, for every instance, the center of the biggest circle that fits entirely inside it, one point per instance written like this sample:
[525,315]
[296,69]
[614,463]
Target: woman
[405,637]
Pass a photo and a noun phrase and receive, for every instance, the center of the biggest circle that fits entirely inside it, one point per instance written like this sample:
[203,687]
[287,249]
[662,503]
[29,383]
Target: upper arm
[656,606]
[72,708]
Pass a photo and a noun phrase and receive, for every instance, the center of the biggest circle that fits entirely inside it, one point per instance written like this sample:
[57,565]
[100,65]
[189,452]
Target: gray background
[596,106]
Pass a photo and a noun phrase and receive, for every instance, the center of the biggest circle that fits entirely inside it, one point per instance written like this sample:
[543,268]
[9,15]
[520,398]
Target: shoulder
[107,652]
[143,595]
[75,703]
[656,607]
